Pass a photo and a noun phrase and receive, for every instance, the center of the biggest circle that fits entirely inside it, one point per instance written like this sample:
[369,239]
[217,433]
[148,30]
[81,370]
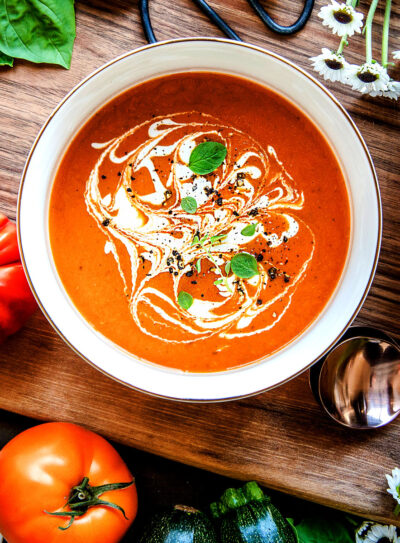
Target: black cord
[217,20]
[222,25]
[272,25]
[202,4]
[146,21]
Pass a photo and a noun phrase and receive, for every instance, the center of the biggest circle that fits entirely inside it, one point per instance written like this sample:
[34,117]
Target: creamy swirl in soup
[223,281]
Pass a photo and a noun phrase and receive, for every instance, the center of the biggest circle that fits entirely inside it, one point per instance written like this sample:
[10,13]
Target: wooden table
[280,438]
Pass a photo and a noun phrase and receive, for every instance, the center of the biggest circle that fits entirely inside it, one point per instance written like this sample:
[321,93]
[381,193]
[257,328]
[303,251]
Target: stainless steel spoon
[358,383]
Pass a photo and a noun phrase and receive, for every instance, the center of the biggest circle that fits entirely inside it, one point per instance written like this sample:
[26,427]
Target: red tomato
[38,470]
[16,299]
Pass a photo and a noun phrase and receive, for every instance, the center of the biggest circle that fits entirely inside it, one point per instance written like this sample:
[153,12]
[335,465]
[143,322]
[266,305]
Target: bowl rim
[302,72]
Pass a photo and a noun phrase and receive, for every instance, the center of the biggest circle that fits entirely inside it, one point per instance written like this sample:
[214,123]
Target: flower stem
[368,31]
[385,33]
[342,44]
[343,41]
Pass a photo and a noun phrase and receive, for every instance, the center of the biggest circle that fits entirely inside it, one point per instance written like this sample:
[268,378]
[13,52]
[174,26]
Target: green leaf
[324,530]
[244,265]
[185,300]
[249,230]
[38,30]
[198,265]
[228,267]
[195,240]
[189,204]
[206,157]
[214,239]
[203,240]
[5,60]
[218,282]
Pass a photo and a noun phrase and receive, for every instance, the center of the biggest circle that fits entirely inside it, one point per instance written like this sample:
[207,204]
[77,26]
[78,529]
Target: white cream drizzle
[153,226]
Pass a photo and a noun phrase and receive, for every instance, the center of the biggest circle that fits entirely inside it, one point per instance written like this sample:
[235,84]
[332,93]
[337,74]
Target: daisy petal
[394,479]
[369,78]
[341,18]
[371,532]
[331,66]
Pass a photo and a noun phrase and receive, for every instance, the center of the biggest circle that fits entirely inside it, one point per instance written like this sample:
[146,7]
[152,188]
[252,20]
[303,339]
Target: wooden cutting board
[280,438]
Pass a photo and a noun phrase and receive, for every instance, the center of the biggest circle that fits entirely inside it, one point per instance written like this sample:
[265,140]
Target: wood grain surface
[280,438]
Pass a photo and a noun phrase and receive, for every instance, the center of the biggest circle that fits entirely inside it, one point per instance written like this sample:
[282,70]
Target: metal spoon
[358,383]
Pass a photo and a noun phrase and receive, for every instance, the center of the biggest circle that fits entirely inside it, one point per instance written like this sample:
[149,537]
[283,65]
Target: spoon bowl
[359,380]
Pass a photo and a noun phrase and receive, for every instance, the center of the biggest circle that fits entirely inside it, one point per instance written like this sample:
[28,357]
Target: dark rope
[217,20]
[222,25]
[146,21]
[272,25]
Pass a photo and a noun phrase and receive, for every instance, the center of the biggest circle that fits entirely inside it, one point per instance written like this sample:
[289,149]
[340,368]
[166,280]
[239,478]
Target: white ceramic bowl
[207,55]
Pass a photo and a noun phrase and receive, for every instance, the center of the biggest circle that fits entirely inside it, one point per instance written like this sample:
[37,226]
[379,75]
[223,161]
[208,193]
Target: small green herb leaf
[218,282]
[203,240]
[5,60]
[206,157]
[228,267]
[214,239]
[198,265]
[244,265]
[249,230]
[195,240]
[185,300]
[189,204]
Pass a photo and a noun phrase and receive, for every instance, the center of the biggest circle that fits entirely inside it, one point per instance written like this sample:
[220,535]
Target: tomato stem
[84,496]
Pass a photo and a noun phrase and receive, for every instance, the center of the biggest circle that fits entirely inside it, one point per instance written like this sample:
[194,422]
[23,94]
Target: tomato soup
[199,221]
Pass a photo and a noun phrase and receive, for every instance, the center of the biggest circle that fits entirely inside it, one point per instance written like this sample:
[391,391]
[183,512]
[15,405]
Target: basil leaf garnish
[5,60]
[189,204]
[249,230]
[206,157]
[38,31]
[228,267]
[244,265]
[214,239]
[198,265]
[185,300]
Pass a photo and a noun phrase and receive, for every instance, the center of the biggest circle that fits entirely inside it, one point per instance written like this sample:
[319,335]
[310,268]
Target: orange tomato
[39,469]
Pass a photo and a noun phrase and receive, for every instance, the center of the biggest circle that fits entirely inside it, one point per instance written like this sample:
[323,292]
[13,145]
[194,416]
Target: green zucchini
[246,515]
[180,524]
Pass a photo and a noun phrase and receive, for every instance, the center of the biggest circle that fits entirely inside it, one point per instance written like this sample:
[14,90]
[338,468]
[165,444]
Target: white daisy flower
[393,92]
[368,78]
[394,479]
[396,55]
[370,532]
[331,65]
[341,18]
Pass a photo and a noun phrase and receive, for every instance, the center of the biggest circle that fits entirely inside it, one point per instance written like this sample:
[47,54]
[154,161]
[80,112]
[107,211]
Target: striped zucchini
[180,524]
[246,515]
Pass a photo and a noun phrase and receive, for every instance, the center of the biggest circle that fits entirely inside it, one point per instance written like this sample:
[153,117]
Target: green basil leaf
[185,300]
[249,230]
[244,265]
[198,265]
[38,30]
[228,267]
[189,204]
[218,282]
[195,240]
[206,157]
[5,60]
[329,529]
[214,239]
